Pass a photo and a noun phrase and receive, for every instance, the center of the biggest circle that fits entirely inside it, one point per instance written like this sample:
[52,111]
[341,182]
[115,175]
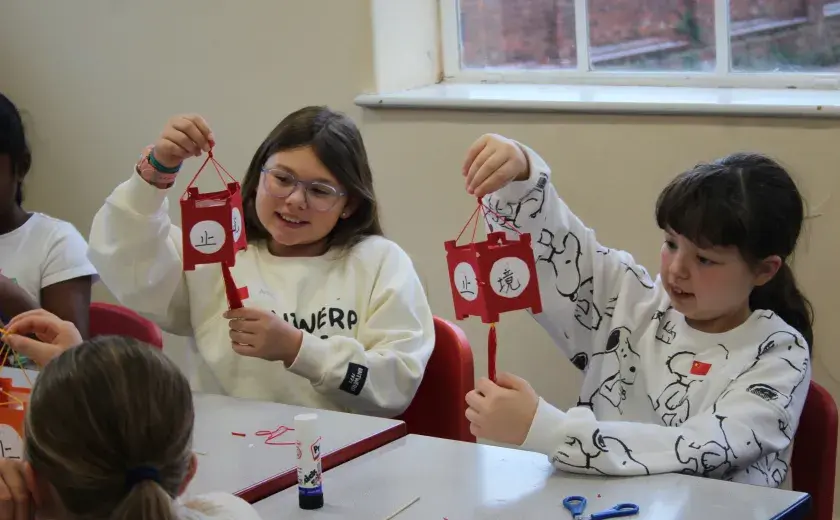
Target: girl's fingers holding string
[491,176]
[43,329]
[203,127]
[37,351]
[40,313]
[180,144]
[190,127]
[472,153]
[476,165]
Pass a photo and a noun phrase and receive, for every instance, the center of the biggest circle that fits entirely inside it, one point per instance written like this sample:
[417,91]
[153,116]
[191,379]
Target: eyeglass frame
[306,184]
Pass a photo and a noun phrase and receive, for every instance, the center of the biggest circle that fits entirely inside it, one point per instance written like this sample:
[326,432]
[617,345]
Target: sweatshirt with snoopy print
[658,396]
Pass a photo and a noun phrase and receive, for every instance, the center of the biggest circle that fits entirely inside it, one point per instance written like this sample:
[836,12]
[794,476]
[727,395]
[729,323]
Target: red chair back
[438,407]
[107,319]
[815,452]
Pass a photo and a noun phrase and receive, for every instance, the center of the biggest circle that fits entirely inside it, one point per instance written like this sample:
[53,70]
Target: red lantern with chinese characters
[213,229]
[491,277]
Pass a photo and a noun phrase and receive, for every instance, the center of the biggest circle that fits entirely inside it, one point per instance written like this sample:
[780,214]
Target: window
[713,43]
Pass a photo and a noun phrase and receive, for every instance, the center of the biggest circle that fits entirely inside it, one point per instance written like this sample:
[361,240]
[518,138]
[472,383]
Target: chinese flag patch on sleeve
[698,368]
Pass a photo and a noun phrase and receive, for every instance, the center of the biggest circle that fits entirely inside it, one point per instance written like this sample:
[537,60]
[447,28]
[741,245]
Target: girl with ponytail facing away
[108,433]
[702,370]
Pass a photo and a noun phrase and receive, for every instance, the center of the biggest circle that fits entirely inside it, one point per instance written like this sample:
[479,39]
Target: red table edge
[282,481]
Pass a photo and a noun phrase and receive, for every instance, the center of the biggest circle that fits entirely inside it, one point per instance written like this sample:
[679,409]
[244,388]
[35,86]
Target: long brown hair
[749,201]
[336,141]
[109,426]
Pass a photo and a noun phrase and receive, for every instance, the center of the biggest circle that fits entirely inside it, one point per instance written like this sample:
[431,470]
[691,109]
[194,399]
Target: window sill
[612,99]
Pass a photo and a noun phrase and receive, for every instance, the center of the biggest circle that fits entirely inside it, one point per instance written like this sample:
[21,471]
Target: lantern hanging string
[482,211]
[218,167]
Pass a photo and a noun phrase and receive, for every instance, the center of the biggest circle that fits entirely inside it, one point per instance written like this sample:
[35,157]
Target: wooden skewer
[403,508]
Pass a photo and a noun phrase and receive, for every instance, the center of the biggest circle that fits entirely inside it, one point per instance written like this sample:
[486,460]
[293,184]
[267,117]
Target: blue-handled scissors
[577,505]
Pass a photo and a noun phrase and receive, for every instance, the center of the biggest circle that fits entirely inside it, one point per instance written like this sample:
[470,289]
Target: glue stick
[310,493]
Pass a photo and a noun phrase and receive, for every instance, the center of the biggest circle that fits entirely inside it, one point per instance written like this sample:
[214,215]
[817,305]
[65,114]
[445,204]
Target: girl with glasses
[336,316]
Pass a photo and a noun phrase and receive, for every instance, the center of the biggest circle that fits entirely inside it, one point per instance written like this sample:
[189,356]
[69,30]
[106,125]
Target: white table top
[246,465]
[460,481]
[253,470]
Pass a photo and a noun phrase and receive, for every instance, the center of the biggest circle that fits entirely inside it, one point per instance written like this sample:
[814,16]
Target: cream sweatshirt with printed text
[658,396]
[367,327]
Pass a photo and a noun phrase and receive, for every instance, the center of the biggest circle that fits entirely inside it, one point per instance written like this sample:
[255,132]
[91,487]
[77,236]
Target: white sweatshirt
[368,328]
[216,506]
[658,396]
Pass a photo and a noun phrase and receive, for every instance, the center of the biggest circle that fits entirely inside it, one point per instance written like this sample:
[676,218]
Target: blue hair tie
[140,474]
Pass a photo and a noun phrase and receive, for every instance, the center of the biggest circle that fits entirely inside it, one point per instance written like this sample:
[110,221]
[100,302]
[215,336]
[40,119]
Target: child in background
[108,434]
[43,260]
[336,316]
[703,370]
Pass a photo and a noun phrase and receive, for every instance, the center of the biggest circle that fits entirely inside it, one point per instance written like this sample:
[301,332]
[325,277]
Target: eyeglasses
[319,195]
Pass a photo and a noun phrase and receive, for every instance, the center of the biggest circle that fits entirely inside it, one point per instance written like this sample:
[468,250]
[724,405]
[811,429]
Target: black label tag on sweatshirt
[355,379]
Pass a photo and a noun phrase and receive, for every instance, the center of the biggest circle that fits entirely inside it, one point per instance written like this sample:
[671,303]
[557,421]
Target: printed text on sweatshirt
[658,396]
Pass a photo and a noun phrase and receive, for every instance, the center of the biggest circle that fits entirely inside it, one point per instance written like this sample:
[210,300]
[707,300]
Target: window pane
[785,35]
[524,34]
[652,35]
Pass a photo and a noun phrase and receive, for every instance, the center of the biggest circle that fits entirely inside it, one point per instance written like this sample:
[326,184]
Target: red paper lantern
[213,229]
[491,277]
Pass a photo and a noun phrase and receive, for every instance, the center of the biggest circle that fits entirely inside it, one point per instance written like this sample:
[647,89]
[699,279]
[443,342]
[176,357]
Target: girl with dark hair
[336,316]
[43,260]
[703,370]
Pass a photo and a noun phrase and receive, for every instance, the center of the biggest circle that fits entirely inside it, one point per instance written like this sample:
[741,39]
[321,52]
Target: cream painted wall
[97,87]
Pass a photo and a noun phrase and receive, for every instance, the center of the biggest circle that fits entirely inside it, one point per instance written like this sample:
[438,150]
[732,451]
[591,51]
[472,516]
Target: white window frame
[721,77]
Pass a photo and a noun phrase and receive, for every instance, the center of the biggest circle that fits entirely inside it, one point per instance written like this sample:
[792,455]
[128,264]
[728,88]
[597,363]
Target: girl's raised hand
[492,162]
[183,137]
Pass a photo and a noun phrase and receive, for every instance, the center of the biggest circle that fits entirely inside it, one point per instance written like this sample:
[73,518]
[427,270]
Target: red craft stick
[491,353]
[234,295]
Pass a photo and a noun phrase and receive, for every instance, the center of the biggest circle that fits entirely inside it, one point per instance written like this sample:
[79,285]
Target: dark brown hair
[338,144]
[102,411]
[13,142]
[748,201]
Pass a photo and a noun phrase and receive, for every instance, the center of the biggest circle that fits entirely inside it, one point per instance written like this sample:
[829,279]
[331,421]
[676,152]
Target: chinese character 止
[466,286]
[205,241]
[508,282]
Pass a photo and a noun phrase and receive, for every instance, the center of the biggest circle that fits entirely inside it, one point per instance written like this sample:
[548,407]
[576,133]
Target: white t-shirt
[42,252]
[216,506]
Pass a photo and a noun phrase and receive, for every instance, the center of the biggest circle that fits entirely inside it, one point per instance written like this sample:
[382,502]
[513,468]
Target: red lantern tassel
[491,353]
